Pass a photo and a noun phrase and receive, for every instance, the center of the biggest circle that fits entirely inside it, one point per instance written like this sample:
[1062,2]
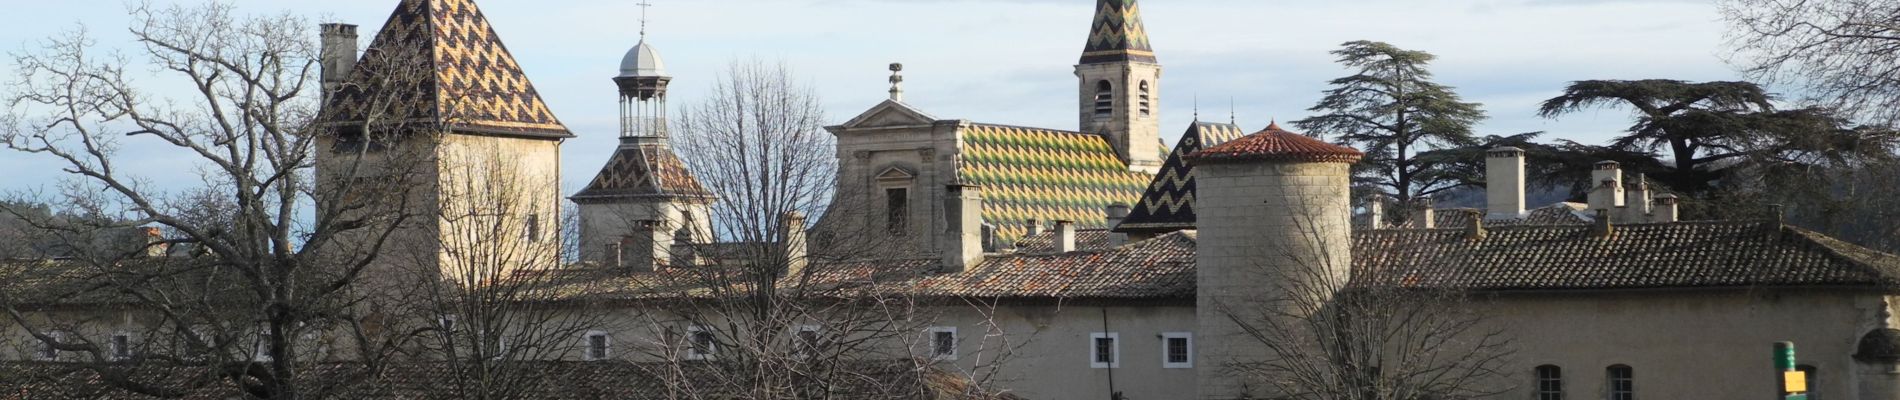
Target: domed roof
[1879,346]
[1276,145]
[642,61]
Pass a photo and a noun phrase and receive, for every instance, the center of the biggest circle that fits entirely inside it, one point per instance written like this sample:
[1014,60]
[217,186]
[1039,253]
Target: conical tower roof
[440,62]
[1117,34]
[643,167]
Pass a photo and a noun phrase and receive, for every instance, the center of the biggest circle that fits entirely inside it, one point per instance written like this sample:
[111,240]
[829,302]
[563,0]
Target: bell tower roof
[643,61]
[1117,34]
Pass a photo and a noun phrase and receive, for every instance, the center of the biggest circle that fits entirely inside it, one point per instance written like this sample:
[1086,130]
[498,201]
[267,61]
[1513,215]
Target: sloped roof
[1636,256]
[1117,34]
[1564,213]
[1045,242]
[1044,174]
[440,63]
[1277,145]
[643,167]
[1168,203]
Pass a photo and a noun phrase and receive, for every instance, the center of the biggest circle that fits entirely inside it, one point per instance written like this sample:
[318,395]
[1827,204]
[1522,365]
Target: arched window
[1550,382]
[1622,382]
[1144,98]
[1104,98]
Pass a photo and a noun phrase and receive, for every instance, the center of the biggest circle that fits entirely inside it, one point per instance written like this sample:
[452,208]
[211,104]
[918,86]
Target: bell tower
[1120,85]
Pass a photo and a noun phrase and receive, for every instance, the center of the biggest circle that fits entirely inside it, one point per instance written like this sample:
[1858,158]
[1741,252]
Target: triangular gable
[440,62]
[896,174]
[890,113]
[1168,203]
[643,167]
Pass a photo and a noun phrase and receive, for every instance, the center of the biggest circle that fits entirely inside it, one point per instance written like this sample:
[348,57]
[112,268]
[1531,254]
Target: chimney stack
[614,254]
[338,55]
[1636,199]
[154,246]
[647,248]
[1476,231]
[792,231]
[1601,227]
[1422,213]
[1115,214]
[1504,183]
[1665,210]
[1606,186]
[1065,236]
[1375,211]
[1035,227]
[963,227]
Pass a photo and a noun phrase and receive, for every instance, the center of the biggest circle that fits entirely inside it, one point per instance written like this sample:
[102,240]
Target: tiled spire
[440,62]
[1117,34]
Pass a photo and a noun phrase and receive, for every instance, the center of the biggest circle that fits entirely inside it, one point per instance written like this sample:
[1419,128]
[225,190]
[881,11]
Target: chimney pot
[1375,211]
[1423,216]
[1115,214]
[1476,231]
[1504,182]
[1665,208]
[1606,191]
[1035,227]
[1065,236]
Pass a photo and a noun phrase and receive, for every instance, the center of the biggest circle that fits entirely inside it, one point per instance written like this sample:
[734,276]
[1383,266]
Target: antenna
[1232,117]
[1197,107]
[643,18]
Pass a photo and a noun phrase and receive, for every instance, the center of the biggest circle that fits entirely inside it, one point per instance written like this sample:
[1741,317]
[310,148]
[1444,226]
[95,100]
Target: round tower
[1274,226]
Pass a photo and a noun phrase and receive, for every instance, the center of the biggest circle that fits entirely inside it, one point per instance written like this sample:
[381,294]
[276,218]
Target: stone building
[1110,259]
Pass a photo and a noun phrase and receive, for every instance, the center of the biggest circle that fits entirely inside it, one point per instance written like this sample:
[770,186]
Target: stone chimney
[1601,226]
[612,257]
[154,242]
[647,247]
[1475,230]
[1606,186]
[338,55]
[1035,227]
[1065,236]
[963,227]
[1115,214]
[1375,211]
[1423,216]
[1665,209]
[1504,183]
[792,231]
[1636,199]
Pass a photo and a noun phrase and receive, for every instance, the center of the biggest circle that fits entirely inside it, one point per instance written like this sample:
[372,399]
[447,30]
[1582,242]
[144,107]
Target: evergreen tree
[1393,111]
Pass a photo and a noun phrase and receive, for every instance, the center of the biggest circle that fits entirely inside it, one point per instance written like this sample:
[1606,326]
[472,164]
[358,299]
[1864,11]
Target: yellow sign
[1794,382]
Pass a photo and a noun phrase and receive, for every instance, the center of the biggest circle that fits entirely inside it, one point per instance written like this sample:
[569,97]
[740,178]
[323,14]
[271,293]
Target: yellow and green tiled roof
[1045,175]
[1168,204]
[440,62]
[1117,34]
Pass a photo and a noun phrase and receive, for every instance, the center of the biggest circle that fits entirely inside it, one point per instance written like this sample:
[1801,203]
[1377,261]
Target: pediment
[896,174]
[888,114]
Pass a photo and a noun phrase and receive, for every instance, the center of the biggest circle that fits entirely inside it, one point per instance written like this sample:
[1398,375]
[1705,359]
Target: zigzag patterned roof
[1117,34]
[1046,175]
[475,85]
[643,167]
[1168,203]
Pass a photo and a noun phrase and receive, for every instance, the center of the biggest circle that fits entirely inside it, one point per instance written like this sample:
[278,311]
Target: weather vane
[643,18]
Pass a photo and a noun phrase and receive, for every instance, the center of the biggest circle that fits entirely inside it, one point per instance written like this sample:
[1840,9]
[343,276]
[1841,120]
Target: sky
[1011,61]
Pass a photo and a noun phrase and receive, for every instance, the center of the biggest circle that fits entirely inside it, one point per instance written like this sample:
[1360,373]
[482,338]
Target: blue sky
[1010,61]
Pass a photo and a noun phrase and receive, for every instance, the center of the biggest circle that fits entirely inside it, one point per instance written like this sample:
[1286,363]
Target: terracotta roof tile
[1275,144]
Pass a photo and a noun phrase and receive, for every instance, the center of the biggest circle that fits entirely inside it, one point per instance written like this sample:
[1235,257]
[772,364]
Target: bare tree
[251,267]
[1364,335]
[1840,51]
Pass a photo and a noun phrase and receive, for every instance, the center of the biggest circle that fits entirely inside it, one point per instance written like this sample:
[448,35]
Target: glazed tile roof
[1636,256]
[1117,34]
[1275,144]
[1168,203]
[1044,174]
[440,62]
[643,167]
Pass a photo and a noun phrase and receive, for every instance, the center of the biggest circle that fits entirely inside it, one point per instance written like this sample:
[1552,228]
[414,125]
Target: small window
[896,209]
[703,345]
[1104,99]
[121,346]
[261,351]
[532,228]
[599,346]
[1550,382]
[1177,350]
[943,343]
[1104,350]
[48,350]
[1622,382]
[807,340]
[1144,99]
[1814,380]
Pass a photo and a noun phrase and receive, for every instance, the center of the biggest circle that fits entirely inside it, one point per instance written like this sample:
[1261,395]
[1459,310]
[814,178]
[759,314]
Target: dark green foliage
[1391,109]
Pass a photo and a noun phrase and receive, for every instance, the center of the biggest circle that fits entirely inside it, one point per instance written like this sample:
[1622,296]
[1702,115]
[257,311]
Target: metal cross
[643,18]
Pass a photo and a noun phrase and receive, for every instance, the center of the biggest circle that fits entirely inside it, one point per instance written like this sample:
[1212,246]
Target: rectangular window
[532,227]
[599,346]
[261,351]
[896,209]
[943,342]
[1550,383]
[121,346]
[1622,383]
[1104,350]
[703,345]
[1177,350]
